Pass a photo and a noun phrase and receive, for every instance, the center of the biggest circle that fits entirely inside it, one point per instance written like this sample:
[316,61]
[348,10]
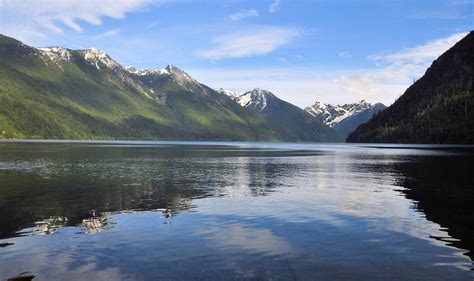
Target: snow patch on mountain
[97,58]
[257,98]
[331,115]
[147,71]
[173,73]
[178,74]
[56,53]
[231,94]
[93,56]
[181,77]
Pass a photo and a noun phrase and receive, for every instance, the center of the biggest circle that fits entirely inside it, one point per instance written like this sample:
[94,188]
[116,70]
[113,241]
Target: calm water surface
[186,211]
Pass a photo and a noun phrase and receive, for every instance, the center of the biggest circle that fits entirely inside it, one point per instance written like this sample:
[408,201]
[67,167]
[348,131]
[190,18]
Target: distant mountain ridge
[344,118]
[93,56]
[84,94]
[280,113]
[438,108]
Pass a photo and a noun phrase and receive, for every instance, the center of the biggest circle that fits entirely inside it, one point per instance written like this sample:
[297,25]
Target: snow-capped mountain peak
[326,112]
[178,74]
[175,72]
[317,108]
[147,71]
[257,98]
[173,68]
[331,115]
[170,72]
[98,57]
[56,53]
[231,94]
[93,56]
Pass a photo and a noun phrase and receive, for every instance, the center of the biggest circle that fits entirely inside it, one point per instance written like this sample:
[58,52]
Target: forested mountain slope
[438,108]
[84,94]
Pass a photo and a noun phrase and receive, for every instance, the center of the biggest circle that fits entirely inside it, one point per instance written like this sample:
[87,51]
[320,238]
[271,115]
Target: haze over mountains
[85,94]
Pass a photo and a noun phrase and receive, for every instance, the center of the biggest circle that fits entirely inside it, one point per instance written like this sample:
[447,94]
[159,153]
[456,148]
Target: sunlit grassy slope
[73,99]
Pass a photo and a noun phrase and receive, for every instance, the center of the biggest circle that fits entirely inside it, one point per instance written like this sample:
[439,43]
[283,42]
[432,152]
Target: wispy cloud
[460,2]
[252,42]
[298,85]
[274,6]
[151,25]
[391,74]
[20,31]
[345,54]
[109,33]
[396,70]
[52,14]
[424,53]
[244,14]
[437,15]
[241,236]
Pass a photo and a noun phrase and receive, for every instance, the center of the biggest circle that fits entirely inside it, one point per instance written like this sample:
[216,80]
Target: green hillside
[84,94]
[293,120]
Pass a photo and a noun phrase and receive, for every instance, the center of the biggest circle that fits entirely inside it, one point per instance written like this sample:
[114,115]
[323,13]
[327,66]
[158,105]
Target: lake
[218,210]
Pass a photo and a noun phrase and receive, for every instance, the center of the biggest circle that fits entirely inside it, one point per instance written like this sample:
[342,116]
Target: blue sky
[332,51]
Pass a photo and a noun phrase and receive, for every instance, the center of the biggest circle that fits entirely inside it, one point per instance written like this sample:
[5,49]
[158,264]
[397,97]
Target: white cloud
[420,54]
[21,32]
[249,43]
[54,14]
[245,14]
[300,86]
[395,71]
[274,6]
[438,15]
[151,25]
[387,80]
[460,2]
[109,33]
[245,237]
[345,55]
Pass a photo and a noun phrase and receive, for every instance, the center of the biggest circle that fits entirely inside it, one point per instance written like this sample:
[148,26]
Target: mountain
[288,118]
[58,93]
[438,108]
[344,118]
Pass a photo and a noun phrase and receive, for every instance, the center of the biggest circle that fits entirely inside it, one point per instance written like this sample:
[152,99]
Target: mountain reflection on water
[443,190]
[73,182]
[272,211]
